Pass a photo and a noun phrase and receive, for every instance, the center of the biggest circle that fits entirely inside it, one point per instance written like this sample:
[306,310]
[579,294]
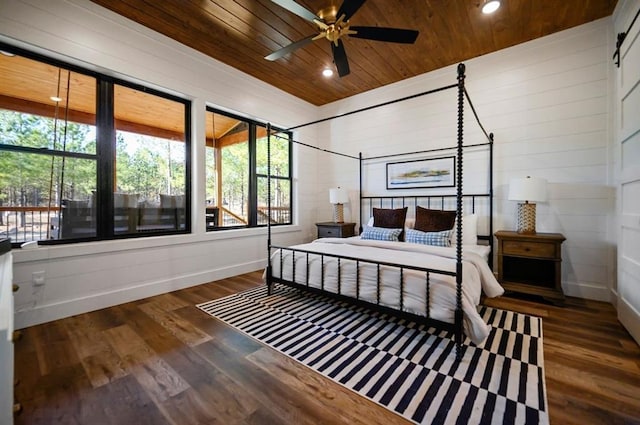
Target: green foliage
[28,179]
[235,174]
[145,165]
[149,166]
[235,178]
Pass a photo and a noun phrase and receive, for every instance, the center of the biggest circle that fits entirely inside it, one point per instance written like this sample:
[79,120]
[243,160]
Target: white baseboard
[630,318]
[70,307]
[587,291]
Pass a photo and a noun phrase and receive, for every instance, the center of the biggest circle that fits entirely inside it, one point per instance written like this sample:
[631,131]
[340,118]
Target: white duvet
[477,277]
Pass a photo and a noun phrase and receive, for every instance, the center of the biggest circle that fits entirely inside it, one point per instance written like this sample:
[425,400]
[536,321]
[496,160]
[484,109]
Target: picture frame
[422,173]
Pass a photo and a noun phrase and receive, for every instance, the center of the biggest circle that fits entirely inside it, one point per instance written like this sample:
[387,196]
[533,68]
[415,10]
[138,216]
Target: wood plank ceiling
[241,32]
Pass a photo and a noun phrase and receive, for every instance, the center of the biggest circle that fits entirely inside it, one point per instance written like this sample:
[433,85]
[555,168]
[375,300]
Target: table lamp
[527,191]
[338,196]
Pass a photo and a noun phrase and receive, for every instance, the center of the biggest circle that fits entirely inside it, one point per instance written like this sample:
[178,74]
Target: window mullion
[106,150]
[253,177]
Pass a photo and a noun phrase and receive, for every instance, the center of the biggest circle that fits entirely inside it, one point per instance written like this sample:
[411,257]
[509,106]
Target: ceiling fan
[335,27]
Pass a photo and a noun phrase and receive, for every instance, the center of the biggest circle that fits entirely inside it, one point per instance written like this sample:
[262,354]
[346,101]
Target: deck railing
[279,215]
[24,224]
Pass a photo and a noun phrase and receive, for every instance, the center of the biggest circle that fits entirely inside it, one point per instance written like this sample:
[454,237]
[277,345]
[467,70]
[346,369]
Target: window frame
[253,186]
[106,148]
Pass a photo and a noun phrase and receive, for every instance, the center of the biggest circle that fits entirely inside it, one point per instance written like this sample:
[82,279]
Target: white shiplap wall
[83,277]
[546,101]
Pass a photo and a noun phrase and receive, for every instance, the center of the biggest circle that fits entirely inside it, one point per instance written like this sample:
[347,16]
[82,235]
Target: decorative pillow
[390,219]
[469,230]
[442,238]
[380,234]
[409,223]
[434,220]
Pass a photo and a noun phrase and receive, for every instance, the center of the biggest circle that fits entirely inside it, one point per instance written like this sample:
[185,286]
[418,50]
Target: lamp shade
[529,189]
[338,195]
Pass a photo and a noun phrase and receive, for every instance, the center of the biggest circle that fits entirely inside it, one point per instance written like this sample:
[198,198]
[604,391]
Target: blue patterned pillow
[442,238]
[380,233]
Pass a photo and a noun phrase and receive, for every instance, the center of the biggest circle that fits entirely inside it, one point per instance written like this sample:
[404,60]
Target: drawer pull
[16,336]
[15,287]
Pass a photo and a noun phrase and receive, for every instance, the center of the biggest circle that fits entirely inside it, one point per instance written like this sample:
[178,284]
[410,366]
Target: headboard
[477,203]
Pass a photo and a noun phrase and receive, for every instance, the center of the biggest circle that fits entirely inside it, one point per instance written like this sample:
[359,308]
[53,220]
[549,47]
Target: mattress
[329,274]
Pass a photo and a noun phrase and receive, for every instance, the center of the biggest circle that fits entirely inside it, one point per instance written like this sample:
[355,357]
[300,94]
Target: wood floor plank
[126,402]
[53,347]
[284,402]
[171,321]
[219,395]
[101,363]
[158,378]
[161,360]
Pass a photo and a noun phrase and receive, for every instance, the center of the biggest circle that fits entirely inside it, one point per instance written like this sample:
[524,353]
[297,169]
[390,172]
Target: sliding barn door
[627,138]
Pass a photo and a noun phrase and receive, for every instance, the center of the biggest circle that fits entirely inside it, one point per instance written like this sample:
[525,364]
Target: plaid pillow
[380,233]
[442,238]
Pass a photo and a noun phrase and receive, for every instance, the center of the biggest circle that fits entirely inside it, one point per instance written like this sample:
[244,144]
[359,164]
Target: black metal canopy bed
[393,266]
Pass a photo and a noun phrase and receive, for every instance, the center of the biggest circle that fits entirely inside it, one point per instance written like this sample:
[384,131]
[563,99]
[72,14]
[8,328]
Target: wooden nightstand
[531,264]
[336,230]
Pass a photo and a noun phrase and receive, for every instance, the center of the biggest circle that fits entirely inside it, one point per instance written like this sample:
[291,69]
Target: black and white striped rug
[397,364]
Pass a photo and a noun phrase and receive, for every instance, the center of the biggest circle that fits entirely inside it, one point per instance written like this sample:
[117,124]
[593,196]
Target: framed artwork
[422,173]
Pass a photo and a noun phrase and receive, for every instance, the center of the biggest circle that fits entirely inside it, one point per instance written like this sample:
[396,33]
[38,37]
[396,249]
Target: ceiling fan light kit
[490,6]
[335,26]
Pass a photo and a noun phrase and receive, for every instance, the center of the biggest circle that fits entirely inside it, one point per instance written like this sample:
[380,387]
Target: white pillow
[469,230]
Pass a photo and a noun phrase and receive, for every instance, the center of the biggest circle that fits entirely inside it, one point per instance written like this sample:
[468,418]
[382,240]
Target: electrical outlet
[38,278]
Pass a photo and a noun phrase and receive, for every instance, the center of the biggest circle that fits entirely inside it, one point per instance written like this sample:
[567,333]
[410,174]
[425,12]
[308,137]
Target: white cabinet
[6,336]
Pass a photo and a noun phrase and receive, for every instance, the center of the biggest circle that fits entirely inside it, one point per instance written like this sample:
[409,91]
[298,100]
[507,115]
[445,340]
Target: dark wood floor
[162,361]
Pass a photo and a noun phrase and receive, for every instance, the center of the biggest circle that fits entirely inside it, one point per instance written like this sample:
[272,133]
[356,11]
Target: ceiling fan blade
[294,7]
[340,58]
[393,35]
[348,8]
[290,48]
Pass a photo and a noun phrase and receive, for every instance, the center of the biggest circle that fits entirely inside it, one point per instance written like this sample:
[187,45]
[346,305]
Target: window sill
[52,252]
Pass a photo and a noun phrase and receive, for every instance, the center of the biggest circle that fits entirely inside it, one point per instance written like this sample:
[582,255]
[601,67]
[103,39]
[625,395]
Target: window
[150,166]
[84,156]
[236,162]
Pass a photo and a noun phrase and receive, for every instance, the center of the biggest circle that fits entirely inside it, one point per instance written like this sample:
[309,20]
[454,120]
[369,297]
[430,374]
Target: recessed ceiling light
[4,52]
[56,98]
[490,6]
[327,72]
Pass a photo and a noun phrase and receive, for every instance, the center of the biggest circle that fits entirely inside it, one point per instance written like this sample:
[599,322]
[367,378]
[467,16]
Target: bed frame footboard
[303,283]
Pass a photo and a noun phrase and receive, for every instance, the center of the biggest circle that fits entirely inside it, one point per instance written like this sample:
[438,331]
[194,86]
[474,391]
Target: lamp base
[527,218]
[338,213]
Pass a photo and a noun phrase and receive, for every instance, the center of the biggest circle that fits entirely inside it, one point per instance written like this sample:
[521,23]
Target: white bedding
[477,277]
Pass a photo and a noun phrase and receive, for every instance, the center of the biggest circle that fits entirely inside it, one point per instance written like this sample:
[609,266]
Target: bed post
[360,192]
[269,271]
[458,313]
[491,201]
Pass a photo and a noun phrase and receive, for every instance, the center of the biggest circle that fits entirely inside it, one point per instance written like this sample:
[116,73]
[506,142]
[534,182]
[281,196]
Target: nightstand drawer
[329,232]
[335,230]
[529,249]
